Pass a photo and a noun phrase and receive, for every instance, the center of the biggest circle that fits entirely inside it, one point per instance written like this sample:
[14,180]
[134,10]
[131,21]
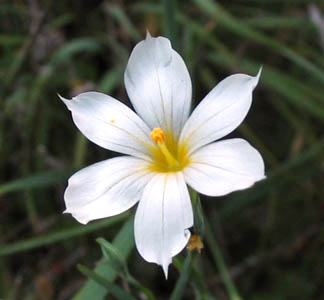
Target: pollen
[112,121]
[158,135]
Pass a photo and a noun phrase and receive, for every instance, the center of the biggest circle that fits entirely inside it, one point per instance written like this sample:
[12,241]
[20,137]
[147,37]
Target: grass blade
[39,180]
[55,237]
[114,289]
[180,287]
[214,10]
[124,242]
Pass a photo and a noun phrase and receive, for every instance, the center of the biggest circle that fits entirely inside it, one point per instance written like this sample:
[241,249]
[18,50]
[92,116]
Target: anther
[158,135]
[159,138]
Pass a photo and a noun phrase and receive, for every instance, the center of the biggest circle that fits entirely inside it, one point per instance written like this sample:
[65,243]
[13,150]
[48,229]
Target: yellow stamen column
[159,138]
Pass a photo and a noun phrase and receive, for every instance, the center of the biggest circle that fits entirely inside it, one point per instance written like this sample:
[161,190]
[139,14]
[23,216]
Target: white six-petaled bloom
[166,149]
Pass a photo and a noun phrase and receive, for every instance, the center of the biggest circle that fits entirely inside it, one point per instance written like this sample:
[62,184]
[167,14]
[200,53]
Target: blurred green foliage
[271,235]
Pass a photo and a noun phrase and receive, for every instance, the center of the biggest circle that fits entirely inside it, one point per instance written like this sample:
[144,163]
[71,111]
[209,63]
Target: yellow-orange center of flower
[169,156]
[158,135]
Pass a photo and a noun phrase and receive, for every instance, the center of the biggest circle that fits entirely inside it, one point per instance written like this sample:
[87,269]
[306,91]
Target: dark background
[271,235]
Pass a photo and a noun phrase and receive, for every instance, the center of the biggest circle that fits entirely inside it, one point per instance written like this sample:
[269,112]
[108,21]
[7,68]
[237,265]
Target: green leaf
[80,45]
[292,89]
[116,261]
[58,236]
[39,180]
[278,22]
[196,279]
[119,15]
[213,9]
[124,242]
[170,8]
[220,263]
[283,175]
[114,289]
[110,80]
[180,287]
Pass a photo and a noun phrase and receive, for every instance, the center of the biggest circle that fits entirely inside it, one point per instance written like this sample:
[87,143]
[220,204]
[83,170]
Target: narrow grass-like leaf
[40,180]
[293,89]
[58,236]
[75,46]
[180,287]
[170,25]
[119,15]
[220,263]
[146,7]
[80,150]
[118,49]
[283,175]
[110,252]
[213,9]
[199,223]
[147,292]
[196,279]
[109,81]
[114,289]
[278,22]
[124,242]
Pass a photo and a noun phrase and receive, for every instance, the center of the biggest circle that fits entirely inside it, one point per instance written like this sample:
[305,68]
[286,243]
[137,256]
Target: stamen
[159,138]
[158,135]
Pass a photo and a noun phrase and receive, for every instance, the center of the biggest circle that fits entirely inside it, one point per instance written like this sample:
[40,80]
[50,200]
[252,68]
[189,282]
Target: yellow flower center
[169,156]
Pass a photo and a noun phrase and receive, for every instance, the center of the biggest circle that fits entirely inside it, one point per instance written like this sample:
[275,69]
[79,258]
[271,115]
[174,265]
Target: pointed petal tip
[82,221]
[259,73]
[256,180]
[165,268]
[148,34]
[65,101]
[255,79]
[62,98]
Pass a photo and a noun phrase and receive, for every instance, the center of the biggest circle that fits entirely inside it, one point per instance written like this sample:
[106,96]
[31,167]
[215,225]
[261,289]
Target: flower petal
[163,215]
[220,112]
[110,124]
[223,167]
[106,188]
[158,84]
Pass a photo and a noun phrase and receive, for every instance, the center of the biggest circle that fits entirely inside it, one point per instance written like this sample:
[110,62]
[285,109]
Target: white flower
[166,149]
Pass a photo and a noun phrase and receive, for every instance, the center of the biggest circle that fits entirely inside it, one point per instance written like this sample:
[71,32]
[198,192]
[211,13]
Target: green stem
[180,287]
[220,263]
[206,231]
[147,292]
[199,223]
[80,150]
[170,25]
